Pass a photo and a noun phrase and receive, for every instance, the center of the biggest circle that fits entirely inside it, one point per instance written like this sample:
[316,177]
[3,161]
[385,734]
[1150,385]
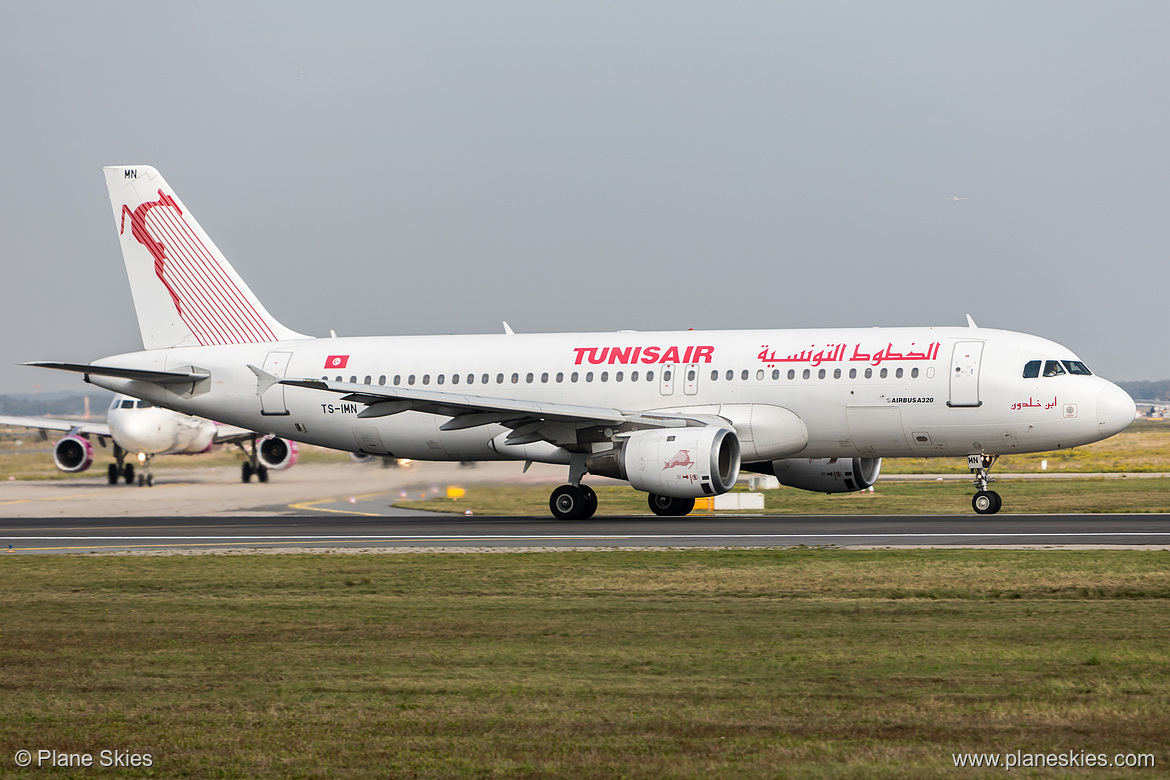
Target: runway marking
[50,498]
[312,505]
[537,537]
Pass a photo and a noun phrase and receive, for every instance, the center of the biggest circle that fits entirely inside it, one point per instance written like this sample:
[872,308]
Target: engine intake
[277,454]
[825,475]
[73,454]
[675,462]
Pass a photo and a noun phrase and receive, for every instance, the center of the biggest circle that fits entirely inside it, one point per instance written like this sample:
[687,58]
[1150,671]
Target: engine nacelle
[827,475]
[675,462]
[72,454]
[276,453]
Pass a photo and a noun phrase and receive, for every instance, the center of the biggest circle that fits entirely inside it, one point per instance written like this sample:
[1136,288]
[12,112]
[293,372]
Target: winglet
[971,322]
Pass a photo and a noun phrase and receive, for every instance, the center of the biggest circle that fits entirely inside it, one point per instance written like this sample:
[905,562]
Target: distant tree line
[56,404]
[1148,391]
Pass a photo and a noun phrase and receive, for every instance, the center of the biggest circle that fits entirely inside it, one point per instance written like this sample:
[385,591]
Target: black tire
[569,502]
[262,474]
[150,480]
[986,502]
[590,502]
[141,480]
[112,474]
[128,473]
[665,506]
[246,472]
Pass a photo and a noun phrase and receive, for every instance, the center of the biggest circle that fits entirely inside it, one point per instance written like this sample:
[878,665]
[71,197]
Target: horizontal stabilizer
[144,375]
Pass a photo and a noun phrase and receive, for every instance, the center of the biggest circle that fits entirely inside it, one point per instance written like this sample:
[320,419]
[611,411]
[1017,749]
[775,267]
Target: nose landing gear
[984,502]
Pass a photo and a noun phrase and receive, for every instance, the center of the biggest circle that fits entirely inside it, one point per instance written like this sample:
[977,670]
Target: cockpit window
[1032,369]
[127,403]
[1052,368]
[145,405]
[1077,367]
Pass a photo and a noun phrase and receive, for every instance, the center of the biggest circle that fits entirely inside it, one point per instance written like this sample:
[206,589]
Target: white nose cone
[1115,410]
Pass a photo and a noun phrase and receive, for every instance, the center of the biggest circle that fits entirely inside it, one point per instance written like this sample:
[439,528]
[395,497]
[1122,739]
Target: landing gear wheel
[986,502]
[246,472]
[141,480]
[665,506]
[590,501]
[112,474]
[570,502]
[150,480]
[262,473]
[128,474]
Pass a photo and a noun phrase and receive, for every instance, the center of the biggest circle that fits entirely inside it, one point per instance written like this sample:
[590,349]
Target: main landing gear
[665,506]
[121,469]
[985,502]
[573,501]
[252,466]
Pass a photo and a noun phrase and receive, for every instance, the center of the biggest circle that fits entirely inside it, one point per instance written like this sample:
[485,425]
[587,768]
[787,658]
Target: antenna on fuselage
[971,322]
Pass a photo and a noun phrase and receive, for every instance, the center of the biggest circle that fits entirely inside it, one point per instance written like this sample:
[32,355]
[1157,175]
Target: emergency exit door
[965,374]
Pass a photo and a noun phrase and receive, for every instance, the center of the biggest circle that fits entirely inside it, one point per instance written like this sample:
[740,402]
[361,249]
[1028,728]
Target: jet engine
[674,462]
[73,454]
[276,453]
[825,475]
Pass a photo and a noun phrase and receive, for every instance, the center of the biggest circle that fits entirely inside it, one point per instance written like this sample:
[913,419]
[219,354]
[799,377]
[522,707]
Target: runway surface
[61,535]
[345,507]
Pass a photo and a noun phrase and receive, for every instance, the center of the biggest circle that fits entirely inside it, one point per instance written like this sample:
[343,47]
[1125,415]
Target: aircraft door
[272,397]
[666,379]
[691,379]
[965,374]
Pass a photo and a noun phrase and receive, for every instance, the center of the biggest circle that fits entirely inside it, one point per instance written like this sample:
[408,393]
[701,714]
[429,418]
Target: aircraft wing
[77,427]
[469,411]
[230,434]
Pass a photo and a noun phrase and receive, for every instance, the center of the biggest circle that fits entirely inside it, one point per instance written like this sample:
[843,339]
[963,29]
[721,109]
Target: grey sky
[399,168]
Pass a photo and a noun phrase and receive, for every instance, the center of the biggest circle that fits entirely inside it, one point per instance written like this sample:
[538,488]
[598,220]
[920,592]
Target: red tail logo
[205,296]
[156,248]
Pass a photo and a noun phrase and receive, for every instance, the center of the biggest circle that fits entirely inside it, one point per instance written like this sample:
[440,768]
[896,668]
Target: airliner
[141,428]
[676,414]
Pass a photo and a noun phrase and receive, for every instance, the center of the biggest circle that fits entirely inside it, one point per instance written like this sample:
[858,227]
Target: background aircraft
[142,430]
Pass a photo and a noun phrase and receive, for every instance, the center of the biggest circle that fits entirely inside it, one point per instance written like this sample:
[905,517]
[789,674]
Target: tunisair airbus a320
[676,414]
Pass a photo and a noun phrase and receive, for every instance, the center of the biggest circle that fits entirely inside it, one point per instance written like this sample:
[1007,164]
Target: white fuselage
[153,430]
[877,392]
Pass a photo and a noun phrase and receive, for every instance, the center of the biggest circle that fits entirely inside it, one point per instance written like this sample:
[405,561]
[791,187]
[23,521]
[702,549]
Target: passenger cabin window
[1032,369]
[1052,368]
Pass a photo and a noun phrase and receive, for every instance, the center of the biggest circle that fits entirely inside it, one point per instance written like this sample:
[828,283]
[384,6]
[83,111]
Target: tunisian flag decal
[336,361]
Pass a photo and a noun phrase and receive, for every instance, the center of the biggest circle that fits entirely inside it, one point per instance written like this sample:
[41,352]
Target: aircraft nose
[1115,410]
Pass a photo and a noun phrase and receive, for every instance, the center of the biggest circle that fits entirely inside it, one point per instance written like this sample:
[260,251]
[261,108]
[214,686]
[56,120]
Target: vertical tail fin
[185,292]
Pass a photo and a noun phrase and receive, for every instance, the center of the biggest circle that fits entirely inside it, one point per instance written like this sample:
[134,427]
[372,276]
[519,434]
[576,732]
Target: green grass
[889,497]
[749,663]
